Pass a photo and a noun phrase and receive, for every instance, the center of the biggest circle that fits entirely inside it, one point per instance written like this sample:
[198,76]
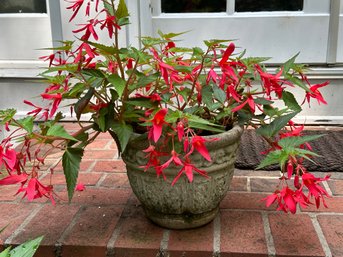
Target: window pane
[268,5]
[183,6]
[22,6]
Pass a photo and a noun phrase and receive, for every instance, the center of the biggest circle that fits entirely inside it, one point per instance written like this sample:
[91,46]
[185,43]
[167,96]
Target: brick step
[107,220]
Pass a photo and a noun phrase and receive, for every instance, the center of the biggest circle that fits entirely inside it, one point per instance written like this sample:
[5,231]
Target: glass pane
[268,5]
[183,6]
[22,6]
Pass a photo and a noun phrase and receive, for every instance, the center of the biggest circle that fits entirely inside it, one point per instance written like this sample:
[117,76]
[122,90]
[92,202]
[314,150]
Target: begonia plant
[174,94]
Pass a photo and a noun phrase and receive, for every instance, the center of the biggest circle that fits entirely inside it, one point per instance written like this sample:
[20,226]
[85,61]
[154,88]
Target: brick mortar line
[276,212]
[268,235]
[110,247]
[22,226]
[99,160]
[101,179]
[91,167]
[320,234]
[164,242]
[108,145]
[69,227]
[216,235]
[248,185]
[255,176]
[322,213]
[327,187]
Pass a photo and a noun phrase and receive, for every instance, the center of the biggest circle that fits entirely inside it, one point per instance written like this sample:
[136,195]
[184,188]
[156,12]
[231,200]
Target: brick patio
[107,220]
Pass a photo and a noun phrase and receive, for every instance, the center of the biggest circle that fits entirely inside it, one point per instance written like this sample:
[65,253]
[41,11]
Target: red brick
[13,215]
[50,222]
[238,184]
[335,204]
[116,180]
[113,145]
[138,236]
[294,235]
[261,173]
[92,231]
[7,193]
[99,144]
[336,186]
[55,156]
[191,242]
[72,126]
[105,136]
[97,196]
[58,178]
[249,201]
[264,184]
[110,166]
[332,227]
[84,165]
[242,234]
[100,154]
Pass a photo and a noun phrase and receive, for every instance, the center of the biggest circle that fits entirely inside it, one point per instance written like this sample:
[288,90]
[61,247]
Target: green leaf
[103,48]
[141,102]
[59,131]
[270,130]
[123,132]
[27,249]
[212,42]
[288,64]
[305,153]
[253,60]
[71,160]
[197,51]
[91,73]
[219,94]
[145,80]
[82,140]
[6,252]
[272,158]
[199,123]
[83,102]
[7,115]
[67,67]
[102,119]
[117,82]
[108,7]
[122,10]
[206,93]
[170,35]
[297,82]
[27,123]
[206,127]
[262,101]
[123,21]
[288,142]
[290,101]
[183,68]
[77,90]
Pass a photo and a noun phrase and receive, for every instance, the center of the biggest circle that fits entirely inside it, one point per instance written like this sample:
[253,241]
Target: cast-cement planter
[184,205]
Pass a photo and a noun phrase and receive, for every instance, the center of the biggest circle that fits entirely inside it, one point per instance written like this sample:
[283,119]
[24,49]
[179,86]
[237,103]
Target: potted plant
[167,108]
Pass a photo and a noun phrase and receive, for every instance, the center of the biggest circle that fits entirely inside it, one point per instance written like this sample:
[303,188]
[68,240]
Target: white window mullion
[230,7]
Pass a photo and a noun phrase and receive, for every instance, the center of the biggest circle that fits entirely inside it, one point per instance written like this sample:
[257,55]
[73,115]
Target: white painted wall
[340,35]
[311,27]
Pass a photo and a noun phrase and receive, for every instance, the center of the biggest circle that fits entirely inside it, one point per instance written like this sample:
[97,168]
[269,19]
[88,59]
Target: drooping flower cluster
[175,95]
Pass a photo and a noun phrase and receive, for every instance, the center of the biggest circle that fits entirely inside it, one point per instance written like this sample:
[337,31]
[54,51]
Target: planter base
[184,205]
[181,221]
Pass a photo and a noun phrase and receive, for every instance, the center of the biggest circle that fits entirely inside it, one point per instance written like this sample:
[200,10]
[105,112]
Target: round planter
[184,205]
